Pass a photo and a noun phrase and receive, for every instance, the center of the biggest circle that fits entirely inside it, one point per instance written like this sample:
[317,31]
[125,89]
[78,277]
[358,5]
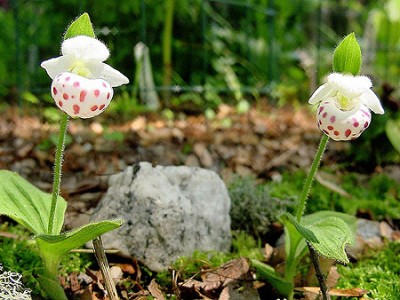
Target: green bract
[81,26]
[347,56]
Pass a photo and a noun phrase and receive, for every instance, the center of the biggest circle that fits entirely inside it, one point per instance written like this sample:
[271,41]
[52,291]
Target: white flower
[82,83]
[345,104]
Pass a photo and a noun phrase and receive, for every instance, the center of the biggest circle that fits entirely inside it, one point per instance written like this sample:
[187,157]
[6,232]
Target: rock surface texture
[168,211]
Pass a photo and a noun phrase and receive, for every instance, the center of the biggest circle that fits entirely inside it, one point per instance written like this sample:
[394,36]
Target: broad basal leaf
[327,234]
[27,205]
[51,286]
[53,247]
[295,247]
[269,274]
[320,215]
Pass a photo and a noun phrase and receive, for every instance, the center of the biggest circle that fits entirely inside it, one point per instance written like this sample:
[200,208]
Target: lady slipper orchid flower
[82,83]
[345,102]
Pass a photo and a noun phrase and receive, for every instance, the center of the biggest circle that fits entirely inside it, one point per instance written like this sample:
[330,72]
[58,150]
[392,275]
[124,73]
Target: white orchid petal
[107,73]
[113,76]
[349,85]
[85,48]
[55,66]
[324,91]
[370,100]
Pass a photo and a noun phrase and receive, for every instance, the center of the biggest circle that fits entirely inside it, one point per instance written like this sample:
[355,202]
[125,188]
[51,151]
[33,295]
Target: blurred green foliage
[252,206]
[377,194]
[224,47]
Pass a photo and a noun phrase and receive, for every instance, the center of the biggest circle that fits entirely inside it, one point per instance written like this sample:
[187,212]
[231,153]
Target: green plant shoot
[42,213]
[344,102]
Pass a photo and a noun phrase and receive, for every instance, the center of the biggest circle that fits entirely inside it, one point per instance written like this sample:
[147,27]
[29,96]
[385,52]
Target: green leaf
[393,134]
[269,274]
[53,247]
[315,217]
[51,286]
[27,205]
[81,26]
[347,56]
[327,233]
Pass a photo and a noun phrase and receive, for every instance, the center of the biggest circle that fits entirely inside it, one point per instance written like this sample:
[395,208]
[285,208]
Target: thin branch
[105,271]
[318,273]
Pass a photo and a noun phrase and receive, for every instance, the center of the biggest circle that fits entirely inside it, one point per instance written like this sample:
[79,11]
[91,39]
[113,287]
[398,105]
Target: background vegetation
[213,46]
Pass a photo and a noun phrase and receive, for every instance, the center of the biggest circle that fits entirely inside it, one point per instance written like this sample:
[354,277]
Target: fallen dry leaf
[155,291]
[234,270]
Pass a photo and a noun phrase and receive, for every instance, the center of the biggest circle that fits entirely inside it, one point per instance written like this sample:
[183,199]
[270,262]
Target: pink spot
[321,109]
[60,104]
[365,113]
[82,95]
[67,78]
[347,132]
[65,96]
[96,93]
[54,90]
[108,96]
[336,133]
[366,124]
[330,127]
[333,119]
[324,114]
[76,84]
[320,122]
[76,109]
[356,124]
[101,107]
[94,107]
[326,132]
[104,85]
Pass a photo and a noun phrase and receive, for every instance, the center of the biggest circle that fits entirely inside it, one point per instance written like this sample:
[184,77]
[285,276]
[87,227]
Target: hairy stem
[310,177]
[318,273]
[57,171]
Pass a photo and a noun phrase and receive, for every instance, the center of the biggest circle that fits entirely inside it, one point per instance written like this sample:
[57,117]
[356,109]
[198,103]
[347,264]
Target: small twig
[105,271]
[106,251]
[332,186]
[318,273]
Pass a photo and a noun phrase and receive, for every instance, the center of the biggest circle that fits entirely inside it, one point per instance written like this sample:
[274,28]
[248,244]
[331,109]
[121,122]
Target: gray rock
[168,211]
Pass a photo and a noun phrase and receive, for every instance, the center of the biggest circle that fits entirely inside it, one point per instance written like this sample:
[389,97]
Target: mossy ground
[379,272]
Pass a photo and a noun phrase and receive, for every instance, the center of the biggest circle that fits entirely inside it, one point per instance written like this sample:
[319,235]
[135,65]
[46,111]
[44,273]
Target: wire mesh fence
[230,47]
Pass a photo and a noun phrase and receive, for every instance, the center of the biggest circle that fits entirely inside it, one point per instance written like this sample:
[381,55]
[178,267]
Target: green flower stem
[310,177]
[57,171]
